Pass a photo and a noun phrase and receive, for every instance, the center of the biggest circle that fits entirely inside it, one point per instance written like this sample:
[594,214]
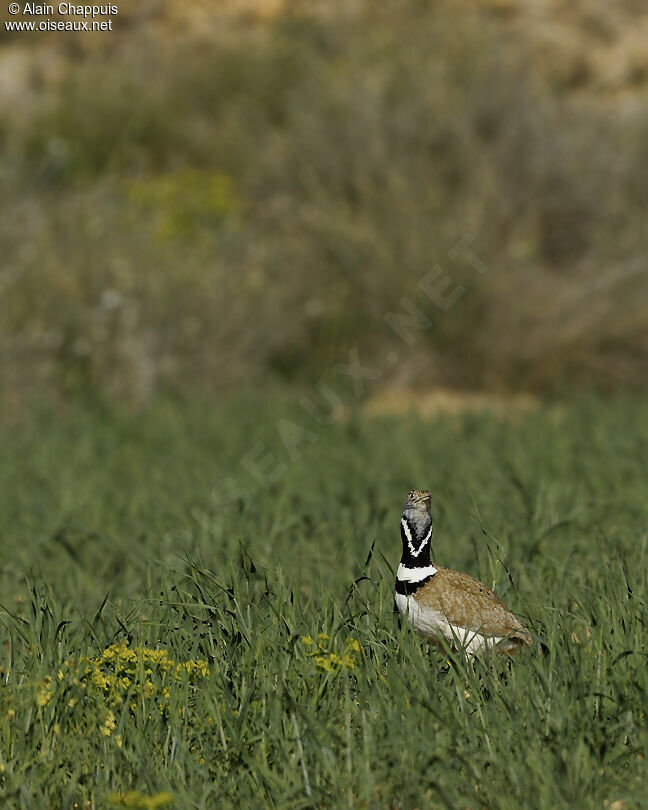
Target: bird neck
[416,534]
[415,568]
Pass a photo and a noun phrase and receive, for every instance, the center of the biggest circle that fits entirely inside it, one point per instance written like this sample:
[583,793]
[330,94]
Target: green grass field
[174,638]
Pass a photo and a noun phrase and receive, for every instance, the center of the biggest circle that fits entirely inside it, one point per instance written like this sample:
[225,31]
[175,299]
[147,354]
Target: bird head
[419,499]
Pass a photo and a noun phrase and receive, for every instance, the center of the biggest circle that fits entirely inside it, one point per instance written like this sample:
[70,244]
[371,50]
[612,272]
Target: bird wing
[468,603]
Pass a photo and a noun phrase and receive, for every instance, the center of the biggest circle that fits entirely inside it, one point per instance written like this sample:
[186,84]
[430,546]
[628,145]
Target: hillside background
[217,195]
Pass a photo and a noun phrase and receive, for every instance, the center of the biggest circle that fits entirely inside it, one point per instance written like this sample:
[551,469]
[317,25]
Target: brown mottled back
[467,603]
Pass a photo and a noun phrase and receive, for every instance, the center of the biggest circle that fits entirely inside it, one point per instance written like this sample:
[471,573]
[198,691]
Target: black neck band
[408,588]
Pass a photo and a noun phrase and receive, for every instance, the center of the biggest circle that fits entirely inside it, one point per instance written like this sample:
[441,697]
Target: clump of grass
[139,801]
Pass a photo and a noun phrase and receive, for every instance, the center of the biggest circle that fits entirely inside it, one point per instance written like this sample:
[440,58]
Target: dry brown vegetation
[216,196]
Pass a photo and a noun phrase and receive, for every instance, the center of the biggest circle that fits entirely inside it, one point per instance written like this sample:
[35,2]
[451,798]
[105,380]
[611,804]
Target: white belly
[434,625]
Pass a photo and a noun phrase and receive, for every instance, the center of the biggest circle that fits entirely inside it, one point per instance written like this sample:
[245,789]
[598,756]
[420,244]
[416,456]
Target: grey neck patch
[415,547]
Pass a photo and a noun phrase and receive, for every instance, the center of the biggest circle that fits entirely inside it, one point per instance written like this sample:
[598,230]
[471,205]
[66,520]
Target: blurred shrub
[184,203]
[244,204]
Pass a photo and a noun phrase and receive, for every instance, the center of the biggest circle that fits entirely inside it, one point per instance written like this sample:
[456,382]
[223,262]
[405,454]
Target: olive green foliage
[200,211]
[177,634]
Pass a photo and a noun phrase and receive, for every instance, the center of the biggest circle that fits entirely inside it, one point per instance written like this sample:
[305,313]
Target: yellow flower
[119,668]
[100,680]
[108,725]
[45,693]
[323,662]
[332,661]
